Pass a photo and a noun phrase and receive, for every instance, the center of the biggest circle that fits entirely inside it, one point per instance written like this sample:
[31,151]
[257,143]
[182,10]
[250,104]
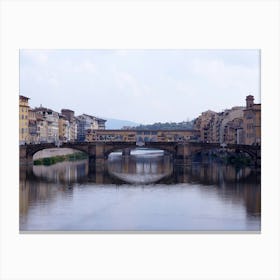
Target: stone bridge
[99,151]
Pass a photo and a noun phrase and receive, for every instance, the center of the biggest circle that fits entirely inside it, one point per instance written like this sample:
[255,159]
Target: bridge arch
[52,152]
[111,149]
[31,150]
[148,145]
[249,150]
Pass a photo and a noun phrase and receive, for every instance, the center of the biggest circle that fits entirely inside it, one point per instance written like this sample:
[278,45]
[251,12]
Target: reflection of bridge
[99,151]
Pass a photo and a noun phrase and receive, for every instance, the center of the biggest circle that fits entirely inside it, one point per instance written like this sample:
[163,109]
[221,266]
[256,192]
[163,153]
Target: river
[143,192]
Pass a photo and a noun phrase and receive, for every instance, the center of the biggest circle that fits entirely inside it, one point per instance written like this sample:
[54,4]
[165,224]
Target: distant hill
[166,126]
[118,124]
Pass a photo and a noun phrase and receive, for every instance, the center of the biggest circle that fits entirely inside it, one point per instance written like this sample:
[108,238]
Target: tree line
[165,126]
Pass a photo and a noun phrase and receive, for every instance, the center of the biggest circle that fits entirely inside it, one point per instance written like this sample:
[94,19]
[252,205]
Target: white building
[85,122]
[52,119]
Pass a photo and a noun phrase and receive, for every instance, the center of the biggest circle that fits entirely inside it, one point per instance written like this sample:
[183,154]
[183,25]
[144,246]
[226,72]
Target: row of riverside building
[238,125]
[44,125]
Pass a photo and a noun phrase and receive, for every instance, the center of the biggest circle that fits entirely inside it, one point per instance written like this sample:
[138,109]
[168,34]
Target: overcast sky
[144,86]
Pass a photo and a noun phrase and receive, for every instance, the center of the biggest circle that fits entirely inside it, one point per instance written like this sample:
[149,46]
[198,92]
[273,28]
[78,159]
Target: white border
[155,24]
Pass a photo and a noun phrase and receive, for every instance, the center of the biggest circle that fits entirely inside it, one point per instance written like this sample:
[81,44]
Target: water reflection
[139,193]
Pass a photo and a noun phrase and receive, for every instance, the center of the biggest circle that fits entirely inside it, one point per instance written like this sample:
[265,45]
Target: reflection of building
[23,191]
[62,172]
[23,119]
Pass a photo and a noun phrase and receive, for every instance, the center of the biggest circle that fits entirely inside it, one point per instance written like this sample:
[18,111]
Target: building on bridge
[94,135]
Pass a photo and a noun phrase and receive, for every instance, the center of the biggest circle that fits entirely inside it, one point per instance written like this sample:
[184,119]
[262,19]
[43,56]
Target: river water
[143,192]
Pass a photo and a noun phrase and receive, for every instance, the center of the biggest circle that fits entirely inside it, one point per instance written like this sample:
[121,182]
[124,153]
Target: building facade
[230,119]
[42,128]
[101,123]
[238,125]
[141,135]
[23,120]
[52,119]
[32,126]
[252,122]
[87,123]
[205,124]
[64,129]
[70,116]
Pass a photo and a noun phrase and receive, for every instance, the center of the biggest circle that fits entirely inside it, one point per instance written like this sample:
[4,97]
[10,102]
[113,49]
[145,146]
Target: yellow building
[23,120]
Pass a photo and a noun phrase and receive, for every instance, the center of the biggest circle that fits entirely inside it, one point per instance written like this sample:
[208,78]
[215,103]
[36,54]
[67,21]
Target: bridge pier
[183,154]
[99,154]
[24,157]
[126,152]
[258,158]
[96,172]
[183,160]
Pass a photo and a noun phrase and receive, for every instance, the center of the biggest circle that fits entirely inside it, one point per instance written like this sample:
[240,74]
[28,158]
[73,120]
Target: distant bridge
[99,151]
